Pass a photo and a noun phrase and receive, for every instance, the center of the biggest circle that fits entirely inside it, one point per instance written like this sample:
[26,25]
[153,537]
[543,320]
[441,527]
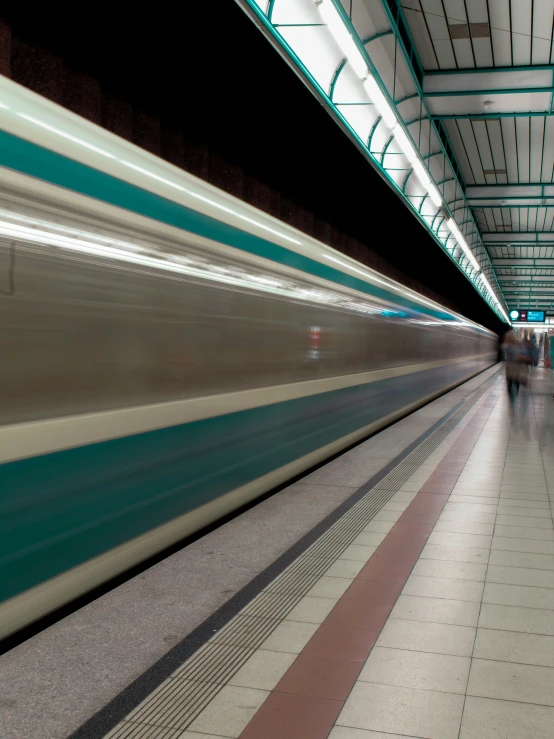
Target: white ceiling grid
[499,120]
[472,84]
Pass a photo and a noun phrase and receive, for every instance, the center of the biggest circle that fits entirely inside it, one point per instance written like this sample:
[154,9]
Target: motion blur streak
[169,353]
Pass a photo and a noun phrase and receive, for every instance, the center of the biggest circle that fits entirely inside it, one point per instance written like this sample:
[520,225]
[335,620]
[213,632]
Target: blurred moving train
[170,353]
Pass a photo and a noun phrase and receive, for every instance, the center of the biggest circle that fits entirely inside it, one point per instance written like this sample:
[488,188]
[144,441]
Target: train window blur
[81,333]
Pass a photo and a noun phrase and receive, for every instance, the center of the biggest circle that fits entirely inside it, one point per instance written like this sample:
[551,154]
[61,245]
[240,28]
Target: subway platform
[417,602]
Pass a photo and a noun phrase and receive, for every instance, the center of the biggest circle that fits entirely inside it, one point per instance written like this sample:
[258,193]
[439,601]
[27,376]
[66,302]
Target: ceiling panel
[470,85]
[499,121]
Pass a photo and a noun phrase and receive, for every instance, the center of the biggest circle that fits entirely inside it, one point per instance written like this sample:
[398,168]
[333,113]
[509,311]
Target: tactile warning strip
[175,704]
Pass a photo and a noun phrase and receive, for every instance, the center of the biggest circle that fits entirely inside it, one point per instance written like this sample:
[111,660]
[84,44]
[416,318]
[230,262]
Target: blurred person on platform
[549,353]
[534,349]
[528,349]
[514,353]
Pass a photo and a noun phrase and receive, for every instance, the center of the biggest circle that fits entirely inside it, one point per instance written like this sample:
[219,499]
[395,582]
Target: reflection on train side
[84,331]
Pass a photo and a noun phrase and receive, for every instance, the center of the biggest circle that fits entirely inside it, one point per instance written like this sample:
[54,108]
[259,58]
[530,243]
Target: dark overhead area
[202,88]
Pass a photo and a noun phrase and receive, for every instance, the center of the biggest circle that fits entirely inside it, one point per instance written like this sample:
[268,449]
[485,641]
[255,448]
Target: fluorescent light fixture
[346,42]
[435,195]
[451,223]
[421,174]
[380,101]
[342,36]
[405,144]
[493,296]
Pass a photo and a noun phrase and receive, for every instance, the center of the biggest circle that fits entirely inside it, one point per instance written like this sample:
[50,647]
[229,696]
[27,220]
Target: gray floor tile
[511,682]
[455,554]
[290,636]
[513,646]
[479,490]
[464,527]
[493,719]
[524,532]
[330,587]
[468,516]
[312,610]
[512,510]
[539,523]
[230,711]
[422,670]
[466,498]
[436,610]
[522,504]
[427,637]
[516,618]
[522,559]
[524,479]
[358,553]
[346,732]
[523,488]
[379,527]
[453,570]
[520,576]
[388,515]
[369,539]
[263,670]
[438,587]
[510,544]
[446,538]
[524,497]
[519,595]
[470,507]
[389,709]
[196,735]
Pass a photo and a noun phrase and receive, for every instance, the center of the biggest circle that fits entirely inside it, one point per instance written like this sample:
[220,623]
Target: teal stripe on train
[59,510]
[28,158]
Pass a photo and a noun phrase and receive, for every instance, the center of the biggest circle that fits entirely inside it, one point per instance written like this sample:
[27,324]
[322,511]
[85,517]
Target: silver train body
[170,353]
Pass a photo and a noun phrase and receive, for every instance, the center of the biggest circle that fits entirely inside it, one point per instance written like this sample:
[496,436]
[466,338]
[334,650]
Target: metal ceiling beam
[524,263]
[401,30]
[528,282]
[541,297]
[523,238]
[490,91]
[528,195]
[492,116]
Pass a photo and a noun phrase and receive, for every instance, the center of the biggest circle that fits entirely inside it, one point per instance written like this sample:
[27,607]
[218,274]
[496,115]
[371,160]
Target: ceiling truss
[469,84]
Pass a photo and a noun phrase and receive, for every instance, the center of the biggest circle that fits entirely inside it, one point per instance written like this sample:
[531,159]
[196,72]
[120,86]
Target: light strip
[421,173]
[435,195]
[343,37]
[380,102]
[405,144]
[346,42]
[462,243]
[493,295]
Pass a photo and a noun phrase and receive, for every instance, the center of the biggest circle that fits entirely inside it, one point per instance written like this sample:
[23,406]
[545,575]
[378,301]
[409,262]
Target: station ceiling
[451,101]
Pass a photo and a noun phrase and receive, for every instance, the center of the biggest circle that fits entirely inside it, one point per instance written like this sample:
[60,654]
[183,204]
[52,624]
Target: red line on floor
[307,701]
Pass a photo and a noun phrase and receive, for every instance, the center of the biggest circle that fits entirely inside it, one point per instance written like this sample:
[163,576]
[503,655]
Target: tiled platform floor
[439,622]
[80,674]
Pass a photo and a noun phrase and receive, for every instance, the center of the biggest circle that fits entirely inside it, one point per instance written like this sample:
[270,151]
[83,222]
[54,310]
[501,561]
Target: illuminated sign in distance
[528,316]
